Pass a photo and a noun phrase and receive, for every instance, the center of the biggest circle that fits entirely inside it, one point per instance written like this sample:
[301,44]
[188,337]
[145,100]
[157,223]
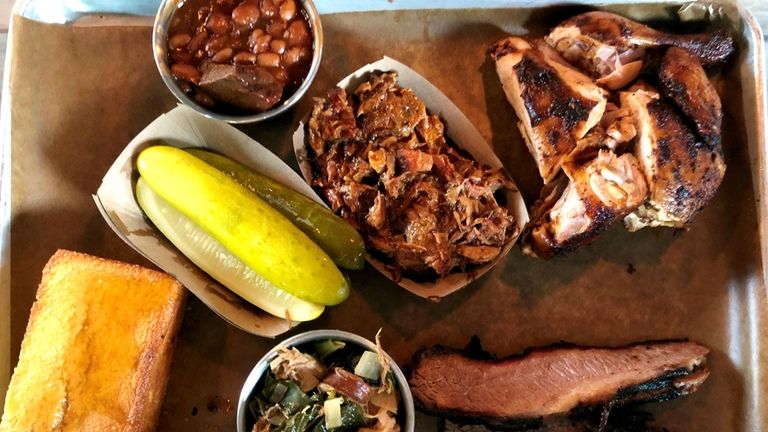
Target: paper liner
[463,134]
[182,127]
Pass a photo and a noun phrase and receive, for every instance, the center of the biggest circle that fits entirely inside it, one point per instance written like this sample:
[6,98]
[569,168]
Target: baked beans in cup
[237,58]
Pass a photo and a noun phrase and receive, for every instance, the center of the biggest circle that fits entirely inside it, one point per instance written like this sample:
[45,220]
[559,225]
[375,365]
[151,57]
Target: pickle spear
[214,259]
[248,227]
[333,234]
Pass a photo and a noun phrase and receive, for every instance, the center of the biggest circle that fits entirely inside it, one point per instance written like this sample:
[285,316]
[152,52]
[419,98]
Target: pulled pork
[383,164]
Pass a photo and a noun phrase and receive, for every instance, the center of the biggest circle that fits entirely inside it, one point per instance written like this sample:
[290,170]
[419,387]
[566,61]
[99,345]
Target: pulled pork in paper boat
[382,162]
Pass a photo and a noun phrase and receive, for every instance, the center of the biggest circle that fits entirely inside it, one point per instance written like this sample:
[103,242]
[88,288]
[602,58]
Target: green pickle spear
[244,224]
[334,235]
[214,259]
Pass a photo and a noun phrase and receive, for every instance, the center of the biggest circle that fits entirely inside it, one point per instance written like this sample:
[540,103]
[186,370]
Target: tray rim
[69,11]
[757,140]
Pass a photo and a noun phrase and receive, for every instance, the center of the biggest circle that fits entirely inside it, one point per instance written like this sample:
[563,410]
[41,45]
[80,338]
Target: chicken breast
[615,132]
[683,80]
[613,66]
[599,193]
[683,172]
[556,104]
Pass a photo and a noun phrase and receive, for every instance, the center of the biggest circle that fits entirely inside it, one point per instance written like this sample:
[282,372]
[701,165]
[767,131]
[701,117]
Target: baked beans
[270,34]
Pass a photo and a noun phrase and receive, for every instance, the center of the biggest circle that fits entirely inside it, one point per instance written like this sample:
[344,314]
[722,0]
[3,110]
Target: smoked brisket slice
[553,381]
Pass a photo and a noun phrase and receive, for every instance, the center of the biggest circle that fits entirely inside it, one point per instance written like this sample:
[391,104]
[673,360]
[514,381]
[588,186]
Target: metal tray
[708,284]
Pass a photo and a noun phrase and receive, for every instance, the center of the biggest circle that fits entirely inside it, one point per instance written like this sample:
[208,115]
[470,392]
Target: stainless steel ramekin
[159,45]
[315,335]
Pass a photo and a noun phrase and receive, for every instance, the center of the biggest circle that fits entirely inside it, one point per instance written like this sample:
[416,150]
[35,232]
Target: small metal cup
[316,335]
[160,47]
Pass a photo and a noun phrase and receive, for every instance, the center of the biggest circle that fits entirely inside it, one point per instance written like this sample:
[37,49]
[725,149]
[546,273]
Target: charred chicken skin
[556,104]
[600,192]
[683,80]
[611,48]
[682,171]
[383,164]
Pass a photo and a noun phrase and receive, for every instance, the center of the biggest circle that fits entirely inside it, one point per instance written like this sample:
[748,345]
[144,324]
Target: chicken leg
[684,81]
[683,173]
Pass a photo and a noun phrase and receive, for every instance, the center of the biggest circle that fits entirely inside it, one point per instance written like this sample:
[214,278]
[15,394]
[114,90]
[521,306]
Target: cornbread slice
[97,350]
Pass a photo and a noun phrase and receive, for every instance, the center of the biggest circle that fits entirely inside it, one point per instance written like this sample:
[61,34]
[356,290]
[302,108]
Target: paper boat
[182,127]
[463,134]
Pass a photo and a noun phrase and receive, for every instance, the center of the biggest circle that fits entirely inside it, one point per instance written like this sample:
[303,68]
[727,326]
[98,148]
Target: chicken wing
[683,172]
[611,48]
[556,104]
[599,193]
[683,80]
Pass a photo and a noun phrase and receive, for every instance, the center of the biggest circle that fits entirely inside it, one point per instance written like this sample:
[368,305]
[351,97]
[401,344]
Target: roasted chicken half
[600,192]
[682,171]
[556,104]
[637,155]
[611,48]
[683,80]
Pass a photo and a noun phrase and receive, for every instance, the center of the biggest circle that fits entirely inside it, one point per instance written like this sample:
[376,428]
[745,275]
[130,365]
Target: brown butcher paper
[79,94]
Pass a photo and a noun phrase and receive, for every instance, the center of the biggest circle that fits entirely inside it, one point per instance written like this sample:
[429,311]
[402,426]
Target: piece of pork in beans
[598,193]
[612,48]
[683,172]
[556,104]
[243,86]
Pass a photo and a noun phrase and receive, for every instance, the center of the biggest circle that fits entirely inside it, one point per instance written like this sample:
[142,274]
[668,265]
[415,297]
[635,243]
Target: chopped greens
[332,411]
[278,392]
[327,347]
[302,420]
[288,395]
[328,386]
[368,367]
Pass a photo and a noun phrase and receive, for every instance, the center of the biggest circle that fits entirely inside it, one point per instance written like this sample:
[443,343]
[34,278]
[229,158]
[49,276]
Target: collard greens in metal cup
[317,341]
[183,128]
[460,131]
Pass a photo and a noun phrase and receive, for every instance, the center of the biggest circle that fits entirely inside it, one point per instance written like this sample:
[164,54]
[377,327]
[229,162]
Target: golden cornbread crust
[98,347]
